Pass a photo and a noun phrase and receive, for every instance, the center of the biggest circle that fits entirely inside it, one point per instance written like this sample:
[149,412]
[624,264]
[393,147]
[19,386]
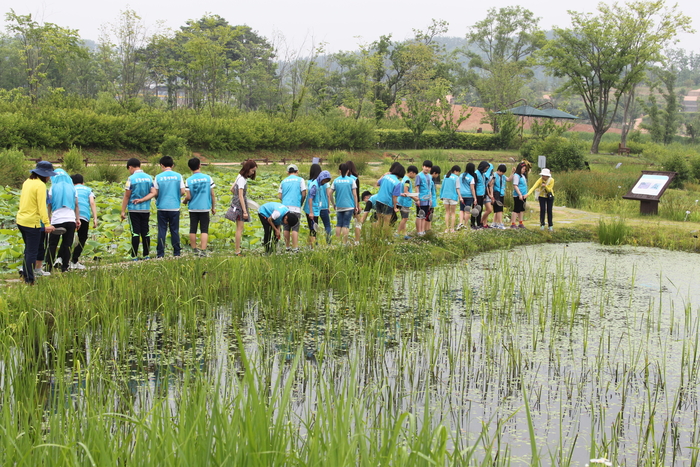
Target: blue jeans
[326,218]
[168,219]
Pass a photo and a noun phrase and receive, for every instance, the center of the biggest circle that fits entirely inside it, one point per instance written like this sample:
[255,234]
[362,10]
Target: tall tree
[500,55]
[605,55]
[663,121]
[41,47]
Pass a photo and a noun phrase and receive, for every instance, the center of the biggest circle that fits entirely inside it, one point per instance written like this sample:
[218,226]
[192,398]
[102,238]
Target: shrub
[107,173]
[563,154]
[174,146]
[695,167]
[676,163]
[14,167]
[73,160]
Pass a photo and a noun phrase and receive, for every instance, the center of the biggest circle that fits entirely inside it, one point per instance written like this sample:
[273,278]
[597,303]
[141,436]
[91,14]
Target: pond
[590,351]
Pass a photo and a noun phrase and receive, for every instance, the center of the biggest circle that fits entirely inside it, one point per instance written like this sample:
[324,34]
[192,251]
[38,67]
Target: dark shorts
[200,219]
[518,205]
[496,206]
[405,211]
[383,209]
[287,228]
[313,225]
[466,204]
[424,212]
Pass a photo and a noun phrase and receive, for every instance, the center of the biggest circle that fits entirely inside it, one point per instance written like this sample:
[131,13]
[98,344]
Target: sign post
[648,190]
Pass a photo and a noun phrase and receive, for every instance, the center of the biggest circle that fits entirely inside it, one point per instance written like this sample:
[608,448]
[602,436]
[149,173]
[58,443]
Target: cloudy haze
[342,26]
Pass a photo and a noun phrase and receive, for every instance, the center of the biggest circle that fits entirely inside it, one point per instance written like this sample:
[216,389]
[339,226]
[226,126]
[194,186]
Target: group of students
[478,191]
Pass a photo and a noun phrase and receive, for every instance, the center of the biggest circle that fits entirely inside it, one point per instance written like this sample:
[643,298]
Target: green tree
[500,56]
[605,55]
[41,46]
[664,121]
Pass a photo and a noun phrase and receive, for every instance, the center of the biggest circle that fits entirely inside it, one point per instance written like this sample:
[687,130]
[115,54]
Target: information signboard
[649,188]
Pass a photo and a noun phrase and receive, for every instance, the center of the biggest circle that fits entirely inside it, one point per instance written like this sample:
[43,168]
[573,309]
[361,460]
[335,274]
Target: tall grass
[613,232]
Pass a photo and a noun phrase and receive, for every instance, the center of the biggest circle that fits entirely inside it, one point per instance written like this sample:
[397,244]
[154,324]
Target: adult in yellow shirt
[33,217]
[546,196]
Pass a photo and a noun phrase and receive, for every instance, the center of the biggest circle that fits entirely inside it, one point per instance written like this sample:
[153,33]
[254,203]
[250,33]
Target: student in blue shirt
[499,192]
[312,205]
[519,192]
[292,192]
[487,169]
[423,187]
[435,172]
[405,200]
[386,203]
[88,211]
[273,215]
[345,202]
[324,179]
[467,194]
[450,197]
[138,185]
[201,200]
[169,188]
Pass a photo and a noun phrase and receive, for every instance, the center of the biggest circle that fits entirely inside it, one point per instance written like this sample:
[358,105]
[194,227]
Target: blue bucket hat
[324,175]
[44,169]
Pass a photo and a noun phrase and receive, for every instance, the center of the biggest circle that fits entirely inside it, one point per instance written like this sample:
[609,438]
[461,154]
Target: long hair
[471,169]
[399,171]
[247,166]
[351,168]
[314,171]
[343,168]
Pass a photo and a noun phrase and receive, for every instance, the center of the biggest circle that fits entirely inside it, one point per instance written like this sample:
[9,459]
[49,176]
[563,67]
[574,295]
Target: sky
[341,26]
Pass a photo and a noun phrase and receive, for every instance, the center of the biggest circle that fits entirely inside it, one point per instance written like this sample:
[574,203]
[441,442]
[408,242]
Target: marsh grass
[363,355]
[613,231]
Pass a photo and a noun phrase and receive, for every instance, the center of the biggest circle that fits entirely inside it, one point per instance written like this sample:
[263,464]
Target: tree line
[601,62]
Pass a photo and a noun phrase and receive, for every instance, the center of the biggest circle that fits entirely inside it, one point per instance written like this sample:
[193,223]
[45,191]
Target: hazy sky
[342,26]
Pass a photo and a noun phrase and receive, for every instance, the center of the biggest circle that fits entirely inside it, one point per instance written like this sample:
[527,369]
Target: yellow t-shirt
[546,189]
[32,204]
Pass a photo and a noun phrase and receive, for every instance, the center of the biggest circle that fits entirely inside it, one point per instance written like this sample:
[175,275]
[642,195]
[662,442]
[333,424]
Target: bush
[695,167]
[174,146]
[676,163]
[403,139]
[73,161]
[106,173]
[14,168]
[563,154]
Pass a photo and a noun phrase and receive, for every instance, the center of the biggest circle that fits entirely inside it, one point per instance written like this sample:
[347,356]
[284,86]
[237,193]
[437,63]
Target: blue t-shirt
[424,182]
[84,194]
[480,184]
[313,195]
[449,188]
[343,187]
[323,196]
[499,184]
[291,188]
[465,182]
[405,201]
[521,182]
[169,185]
[200,185]
[140,184]
[273,210]
[389,186]
[433,194]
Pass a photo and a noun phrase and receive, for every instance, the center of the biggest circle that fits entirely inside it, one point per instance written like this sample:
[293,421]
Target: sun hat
[545,173]
[324,175]
[44,169]
[292,168]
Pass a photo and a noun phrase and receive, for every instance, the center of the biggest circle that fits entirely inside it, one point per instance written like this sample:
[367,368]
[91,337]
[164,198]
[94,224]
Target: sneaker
[202,253]
[58,263]
[513,226]
[459,226]
[542,227]
[551,228]
[406,237]
[521,226]
[76,265]
[41,272]
[485,226]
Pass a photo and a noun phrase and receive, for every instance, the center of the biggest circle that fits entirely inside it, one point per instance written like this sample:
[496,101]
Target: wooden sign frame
[649,188]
